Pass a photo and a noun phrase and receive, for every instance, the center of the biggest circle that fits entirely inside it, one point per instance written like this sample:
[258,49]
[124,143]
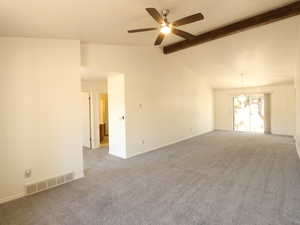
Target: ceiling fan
[165,27]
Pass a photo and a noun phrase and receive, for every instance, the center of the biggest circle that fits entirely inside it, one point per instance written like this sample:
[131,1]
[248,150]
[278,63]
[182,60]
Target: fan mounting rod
[165,12]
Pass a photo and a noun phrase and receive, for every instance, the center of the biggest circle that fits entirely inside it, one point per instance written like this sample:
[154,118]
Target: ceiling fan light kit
[166,28]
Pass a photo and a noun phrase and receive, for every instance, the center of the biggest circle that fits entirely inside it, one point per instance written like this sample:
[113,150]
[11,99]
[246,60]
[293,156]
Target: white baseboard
[251,132]
[118,156]
[12,197]
[222,130]
[79,175]
[283,135]
[297,147]
[169,143]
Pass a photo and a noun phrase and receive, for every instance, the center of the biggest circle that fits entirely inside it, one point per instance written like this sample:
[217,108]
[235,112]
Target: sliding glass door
[249,113]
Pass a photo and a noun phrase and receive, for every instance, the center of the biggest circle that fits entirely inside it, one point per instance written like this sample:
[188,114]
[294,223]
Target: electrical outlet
[143,142]
[27,173]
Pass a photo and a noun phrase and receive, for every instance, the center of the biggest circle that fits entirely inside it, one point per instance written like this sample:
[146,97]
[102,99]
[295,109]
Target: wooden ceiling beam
[246,24]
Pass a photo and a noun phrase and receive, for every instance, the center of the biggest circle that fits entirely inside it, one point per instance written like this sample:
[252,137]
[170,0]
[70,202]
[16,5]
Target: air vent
[52,182]
[42,186]
[60,180]
[30,189]
[69,177]
[47,184]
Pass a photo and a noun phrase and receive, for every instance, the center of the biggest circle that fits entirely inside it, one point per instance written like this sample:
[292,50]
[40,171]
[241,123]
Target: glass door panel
[249,113]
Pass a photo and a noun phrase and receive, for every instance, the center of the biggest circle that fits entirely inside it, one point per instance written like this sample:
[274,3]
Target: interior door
[116,115]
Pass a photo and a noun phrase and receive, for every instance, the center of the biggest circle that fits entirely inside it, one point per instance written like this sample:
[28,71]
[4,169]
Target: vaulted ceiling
[264,55]
[106,21]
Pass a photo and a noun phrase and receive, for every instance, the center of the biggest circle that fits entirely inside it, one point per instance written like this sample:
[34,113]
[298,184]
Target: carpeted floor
[220,178]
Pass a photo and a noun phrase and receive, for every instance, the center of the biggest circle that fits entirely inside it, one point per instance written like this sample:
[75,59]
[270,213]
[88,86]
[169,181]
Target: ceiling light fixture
[165,29]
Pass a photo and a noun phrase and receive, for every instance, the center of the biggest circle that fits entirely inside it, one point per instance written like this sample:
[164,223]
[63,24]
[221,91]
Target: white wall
[265,55]
[85,120]
[283,111]
[99,86]
[297,86]
[165,102]
[40,111]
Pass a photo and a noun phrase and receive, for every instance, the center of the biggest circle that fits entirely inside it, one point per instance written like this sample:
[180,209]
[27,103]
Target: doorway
[103,120]
[249,113]
[104,115]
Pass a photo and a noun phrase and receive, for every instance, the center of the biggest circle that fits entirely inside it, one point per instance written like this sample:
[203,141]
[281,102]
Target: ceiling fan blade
[188,19]
[159,39]
[183,34]
[142,30]
[156,15]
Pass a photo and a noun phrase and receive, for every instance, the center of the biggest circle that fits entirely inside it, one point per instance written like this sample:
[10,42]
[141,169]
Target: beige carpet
[220,178]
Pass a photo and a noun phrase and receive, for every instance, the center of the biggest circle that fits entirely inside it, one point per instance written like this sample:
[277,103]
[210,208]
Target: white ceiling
[106,21]
[265,55]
